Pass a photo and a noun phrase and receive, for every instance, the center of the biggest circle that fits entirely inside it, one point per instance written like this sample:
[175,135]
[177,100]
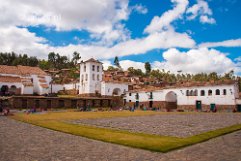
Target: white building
[91,83]
[23,80]
[113,88]
[224,96]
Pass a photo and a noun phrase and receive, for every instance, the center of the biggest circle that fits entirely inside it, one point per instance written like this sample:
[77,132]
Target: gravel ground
[24,142]
[179,125]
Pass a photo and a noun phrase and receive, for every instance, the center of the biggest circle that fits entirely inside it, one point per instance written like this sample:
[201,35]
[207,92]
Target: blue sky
[170,34]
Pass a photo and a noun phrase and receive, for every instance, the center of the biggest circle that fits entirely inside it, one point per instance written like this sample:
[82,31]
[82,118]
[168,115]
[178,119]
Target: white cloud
[206,19]
[164,22]
[125,64]
[139,8]
[195,61]
[100,17]
[226,43]
[202,10]
[103,22]
[106,64]
[238,59]
[20,40]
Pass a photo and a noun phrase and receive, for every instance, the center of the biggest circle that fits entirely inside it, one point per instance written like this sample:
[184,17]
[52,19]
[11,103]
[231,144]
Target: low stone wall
[227,108]
[23,102]
[162,105]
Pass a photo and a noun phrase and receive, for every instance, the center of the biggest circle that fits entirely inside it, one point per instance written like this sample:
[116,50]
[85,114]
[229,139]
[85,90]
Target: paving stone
[179,125]
[24,142]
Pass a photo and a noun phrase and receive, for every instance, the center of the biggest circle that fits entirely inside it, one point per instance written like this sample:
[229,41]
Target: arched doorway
[13,89]
[171,100]
[116,92]
[4,90]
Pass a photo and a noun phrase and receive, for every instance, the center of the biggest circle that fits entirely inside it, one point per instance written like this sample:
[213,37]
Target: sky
[192,36]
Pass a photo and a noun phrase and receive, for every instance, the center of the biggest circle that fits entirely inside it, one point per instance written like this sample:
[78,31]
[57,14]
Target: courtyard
[145,135]
[177,125]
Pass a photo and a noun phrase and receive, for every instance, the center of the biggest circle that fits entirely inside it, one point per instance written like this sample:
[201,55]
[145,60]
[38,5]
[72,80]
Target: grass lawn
[58,121]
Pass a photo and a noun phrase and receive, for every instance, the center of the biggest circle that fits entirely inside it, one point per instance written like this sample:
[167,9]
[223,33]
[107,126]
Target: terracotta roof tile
[92,60]
[21,70]
[27,70]
[4,69]
[153,88]
[9,79]
[44,85]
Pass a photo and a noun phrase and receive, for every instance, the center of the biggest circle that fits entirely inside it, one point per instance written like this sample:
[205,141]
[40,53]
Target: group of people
[84,108]
[4,110]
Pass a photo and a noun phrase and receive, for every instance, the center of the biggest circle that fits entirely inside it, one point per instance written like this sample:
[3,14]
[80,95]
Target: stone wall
[57,102]
[227,108]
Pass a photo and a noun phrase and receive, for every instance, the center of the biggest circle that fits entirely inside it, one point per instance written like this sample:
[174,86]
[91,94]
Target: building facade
[90,77]
[223,97]
[23,80]
[92,84]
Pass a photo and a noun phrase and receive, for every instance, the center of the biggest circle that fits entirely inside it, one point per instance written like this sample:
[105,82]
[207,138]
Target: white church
[91,84]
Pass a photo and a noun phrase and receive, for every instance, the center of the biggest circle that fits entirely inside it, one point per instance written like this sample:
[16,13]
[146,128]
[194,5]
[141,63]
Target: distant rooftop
[92,60]
[189,84]
[21,70]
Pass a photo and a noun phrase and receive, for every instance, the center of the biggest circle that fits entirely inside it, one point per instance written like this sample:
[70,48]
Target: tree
[76,57]
[148,68]
[135,72]
[116,62]
[52,58]
[111,68]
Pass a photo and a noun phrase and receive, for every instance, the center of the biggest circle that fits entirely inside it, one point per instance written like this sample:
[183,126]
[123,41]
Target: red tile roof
[4,69]
[92,60]
[27,70]
[44,85]
[9,79]
[21,70]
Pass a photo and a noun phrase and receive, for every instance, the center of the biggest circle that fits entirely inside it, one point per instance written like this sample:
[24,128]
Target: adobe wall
[55,102]
[222,108]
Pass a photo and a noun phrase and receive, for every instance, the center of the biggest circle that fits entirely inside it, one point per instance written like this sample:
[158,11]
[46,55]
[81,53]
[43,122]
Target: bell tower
[90,77]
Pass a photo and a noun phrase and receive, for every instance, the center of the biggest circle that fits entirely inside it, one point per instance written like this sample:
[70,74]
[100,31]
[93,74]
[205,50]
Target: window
[210,92]
[151,95]
[191,93]
[195,92]
[129,94]
[93,76]
[202,93]
[217,92]
[82,77]
[129,100]
[85,68]
[98,77]
[98,68]
[86,77]
[187,93]
[224,92]
[93,67]
[137,96]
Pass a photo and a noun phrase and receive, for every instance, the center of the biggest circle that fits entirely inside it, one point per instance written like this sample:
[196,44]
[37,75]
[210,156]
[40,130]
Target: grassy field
[58,121]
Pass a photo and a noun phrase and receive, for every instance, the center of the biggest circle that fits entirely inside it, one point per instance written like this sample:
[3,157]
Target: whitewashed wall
[56,88]
[27,90]
[36,84]
[182,99]
[107,88]
[90,85]
[17,84]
